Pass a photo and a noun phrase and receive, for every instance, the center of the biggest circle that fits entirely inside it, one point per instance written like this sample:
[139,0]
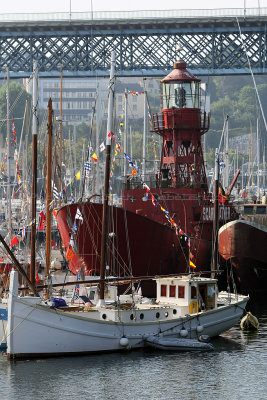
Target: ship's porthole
[166,314]
[157,315]
[104,316]
[131,317]
[141,316]
[174,311]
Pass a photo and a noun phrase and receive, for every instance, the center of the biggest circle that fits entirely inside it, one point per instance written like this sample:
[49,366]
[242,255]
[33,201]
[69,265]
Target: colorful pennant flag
[70,253]
[102,147]
[94,157]
[14,241]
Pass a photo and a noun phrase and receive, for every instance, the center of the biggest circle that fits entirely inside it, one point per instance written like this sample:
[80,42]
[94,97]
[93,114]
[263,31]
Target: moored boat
[186,306]
[160,211]
[241,243]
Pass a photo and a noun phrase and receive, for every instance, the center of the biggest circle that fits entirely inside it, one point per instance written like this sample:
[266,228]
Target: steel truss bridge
[212,42]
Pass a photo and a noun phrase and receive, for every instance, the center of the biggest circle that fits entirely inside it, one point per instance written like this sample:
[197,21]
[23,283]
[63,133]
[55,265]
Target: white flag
[78,215]
[102,146]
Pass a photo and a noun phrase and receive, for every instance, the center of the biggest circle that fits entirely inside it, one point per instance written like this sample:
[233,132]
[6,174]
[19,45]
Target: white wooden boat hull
[35,330]
[3,327]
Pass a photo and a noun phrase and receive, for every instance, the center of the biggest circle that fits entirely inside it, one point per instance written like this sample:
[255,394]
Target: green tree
[17,102]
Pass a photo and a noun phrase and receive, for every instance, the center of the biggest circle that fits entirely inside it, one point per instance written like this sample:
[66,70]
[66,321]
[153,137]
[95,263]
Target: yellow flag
[78,176]
[95,158]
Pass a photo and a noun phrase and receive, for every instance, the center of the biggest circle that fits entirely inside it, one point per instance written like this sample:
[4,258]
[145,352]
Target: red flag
[14,241]
[37,280]
[70,253]
[53,243]
[42,221]
[221,197]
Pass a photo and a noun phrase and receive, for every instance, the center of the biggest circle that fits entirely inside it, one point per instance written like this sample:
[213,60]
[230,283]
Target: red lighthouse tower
[181,126]
[162,212]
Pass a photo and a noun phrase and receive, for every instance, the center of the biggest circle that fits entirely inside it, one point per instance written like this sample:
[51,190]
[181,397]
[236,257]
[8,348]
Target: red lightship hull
[138,245]
[242,243]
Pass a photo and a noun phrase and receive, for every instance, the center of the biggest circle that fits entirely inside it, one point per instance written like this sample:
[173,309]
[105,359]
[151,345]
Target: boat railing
[253,209]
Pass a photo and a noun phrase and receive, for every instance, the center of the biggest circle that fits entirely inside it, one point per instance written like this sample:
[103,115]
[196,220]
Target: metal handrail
[134,15]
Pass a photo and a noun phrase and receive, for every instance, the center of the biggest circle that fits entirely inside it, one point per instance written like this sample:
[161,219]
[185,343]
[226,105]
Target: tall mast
[34,170]
[144,134]
[106,180]
[226,144]
[216,215]
[26,159]
[48,187]
[251,153]
[125,147]
[258,160]
[263,167]
[96,175]
[60,137]
[9,212]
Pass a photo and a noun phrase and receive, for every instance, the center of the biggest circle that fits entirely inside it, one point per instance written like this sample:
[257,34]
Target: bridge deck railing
[134,15]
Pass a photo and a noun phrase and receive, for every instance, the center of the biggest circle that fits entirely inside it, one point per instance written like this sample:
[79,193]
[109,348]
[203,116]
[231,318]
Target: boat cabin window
[172,291]
[193,292]
[181,292]
[163,290]
[180,95]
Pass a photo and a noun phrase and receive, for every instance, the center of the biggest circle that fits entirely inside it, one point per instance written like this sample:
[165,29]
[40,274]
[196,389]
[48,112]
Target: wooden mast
[106,181]
[34,171]
[48,188]
[8,189]
[216,215]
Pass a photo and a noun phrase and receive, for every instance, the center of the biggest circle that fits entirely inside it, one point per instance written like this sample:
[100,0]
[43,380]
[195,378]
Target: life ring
[193,307]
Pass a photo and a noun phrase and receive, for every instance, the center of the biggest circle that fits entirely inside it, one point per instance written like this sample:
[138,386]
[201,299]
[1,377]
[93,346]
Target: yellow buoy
[249,322]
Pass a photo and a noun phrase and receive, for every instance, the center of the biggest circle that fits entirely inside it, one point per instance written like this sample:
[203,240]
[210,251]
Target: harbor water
[236,369]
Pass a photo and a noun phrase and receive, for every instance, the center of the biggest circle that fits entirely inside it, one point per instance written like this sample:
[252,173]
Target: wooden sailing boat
[186,307]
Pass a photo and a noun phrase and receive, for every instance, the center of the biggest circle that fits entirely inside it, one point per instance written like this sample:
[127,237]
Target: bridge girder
[142,49]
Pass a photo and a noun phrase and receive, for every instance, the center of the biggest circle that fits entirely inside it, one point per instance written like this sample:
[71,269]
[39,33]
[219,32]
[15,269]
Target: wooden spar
[18,265]
[229,191]
[34,172]
[48,188]
[216,215]
[116,281]
[106,181]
